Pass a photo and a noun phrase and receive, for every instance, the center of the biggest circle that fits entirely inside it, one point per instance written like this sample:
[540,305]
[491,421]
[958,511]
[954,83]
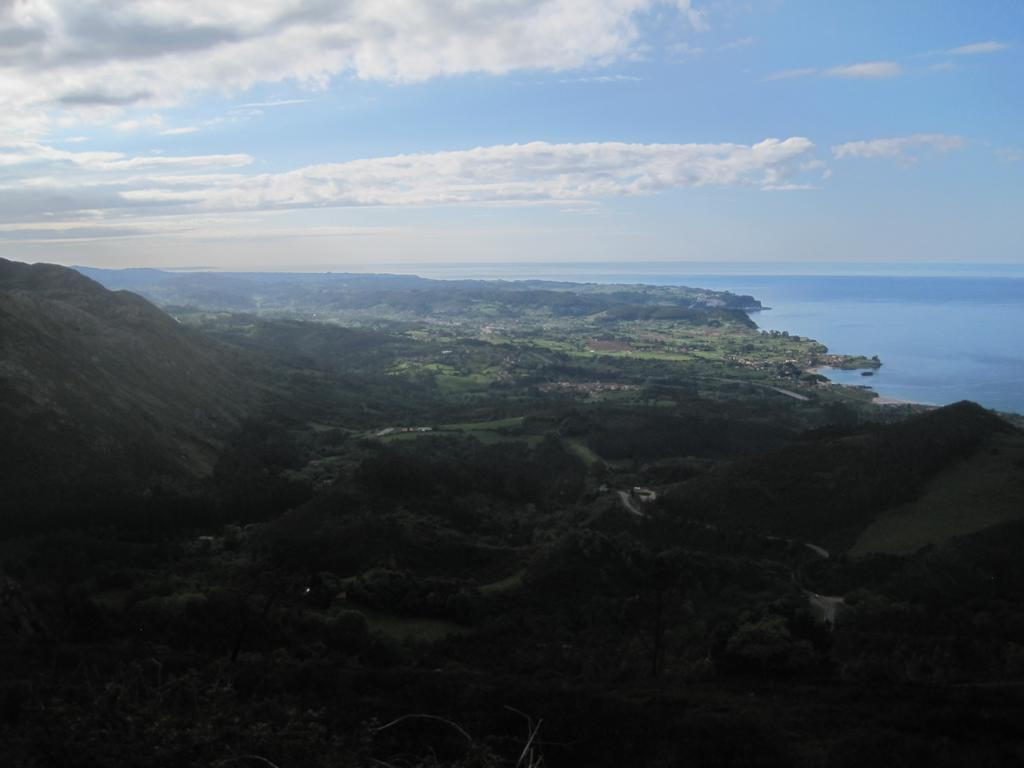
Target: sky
[322,134]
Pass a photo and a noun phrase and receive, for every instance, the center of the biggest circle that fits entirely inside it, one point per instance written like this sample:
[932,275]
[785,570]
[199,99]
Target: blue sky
[306,134]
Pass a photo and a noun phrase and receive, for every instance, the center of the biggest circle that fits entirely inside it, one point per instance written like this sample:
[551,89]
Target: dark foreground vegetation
[481,525]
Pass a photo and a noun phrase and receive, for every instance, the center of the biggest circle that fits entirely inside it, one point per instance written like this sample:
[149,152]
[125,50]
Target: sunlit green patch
[508,584]
[509,423]
[415,628]
[584,452]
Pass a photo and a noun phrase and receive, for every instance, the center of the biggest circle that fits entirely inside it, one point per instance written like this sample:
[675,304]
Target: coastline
[880,400]
[941,339]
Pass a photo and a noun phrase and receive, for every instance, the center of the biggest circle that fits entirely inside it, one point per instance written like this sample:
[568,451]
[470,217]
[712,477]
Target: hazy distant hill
[355,297]
[101,387]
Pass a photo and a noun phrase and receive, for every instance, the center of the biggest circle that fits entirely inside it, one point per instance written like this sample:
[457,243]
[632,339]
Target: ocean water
[943,332]
[940,339]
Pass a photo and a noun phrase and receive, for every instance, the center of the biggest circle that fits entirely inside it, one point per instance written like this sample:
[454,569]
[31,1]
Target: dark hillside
[102,388]
[827,489]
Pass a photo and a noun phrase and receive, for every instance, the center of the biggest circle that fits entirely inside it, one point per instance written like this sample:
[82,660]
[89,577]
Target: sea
[944,332]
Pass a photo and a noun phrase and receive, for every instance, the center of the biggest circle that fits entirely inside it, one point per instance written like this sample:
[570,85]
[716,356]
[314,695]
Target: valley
[302,512]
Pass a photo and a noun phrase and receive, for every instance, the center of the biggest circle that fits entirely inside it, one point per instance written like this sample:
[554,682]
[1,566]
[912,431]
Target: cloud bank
[510,173]
[46,187]
[91,58]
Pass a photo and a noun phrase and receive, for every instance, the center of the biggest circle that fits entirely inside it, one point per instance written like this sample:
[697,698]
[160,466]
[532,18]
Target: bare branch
[531,736]
[257,758]
[444,720]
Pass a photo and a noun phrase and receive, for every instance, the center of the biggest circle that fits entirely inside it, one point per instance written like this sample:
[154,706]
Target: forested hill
[102,387]
[831,485]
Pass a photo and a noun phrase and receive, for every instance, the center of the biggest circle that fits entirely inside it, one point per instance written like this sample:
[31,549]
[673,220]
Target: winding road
[630,504]
[824,607]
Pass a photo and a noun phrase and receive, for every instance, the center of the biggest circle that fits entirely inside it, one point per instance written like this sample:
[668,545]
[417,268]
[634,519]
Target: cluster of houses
[643,495]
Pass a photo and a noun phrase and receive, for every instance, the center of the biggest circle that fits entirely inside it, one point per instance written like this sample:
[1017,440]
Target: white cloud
[973,49]
[741,42]
[899,147]
[602,79]
[242,227]
[128,126]
[885,69]
[181,131]
[685,49]
[868,69]
[31,154]
[696,18]
[788,74]
[40,183]
[92,59]
[534,172]
[1010,154]
[789,187]
[190,161]
[274,103]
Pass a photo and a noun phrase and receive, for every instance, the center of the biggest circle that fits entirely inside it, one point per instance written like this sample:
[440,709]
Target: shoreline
[880,400]
[917,363]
